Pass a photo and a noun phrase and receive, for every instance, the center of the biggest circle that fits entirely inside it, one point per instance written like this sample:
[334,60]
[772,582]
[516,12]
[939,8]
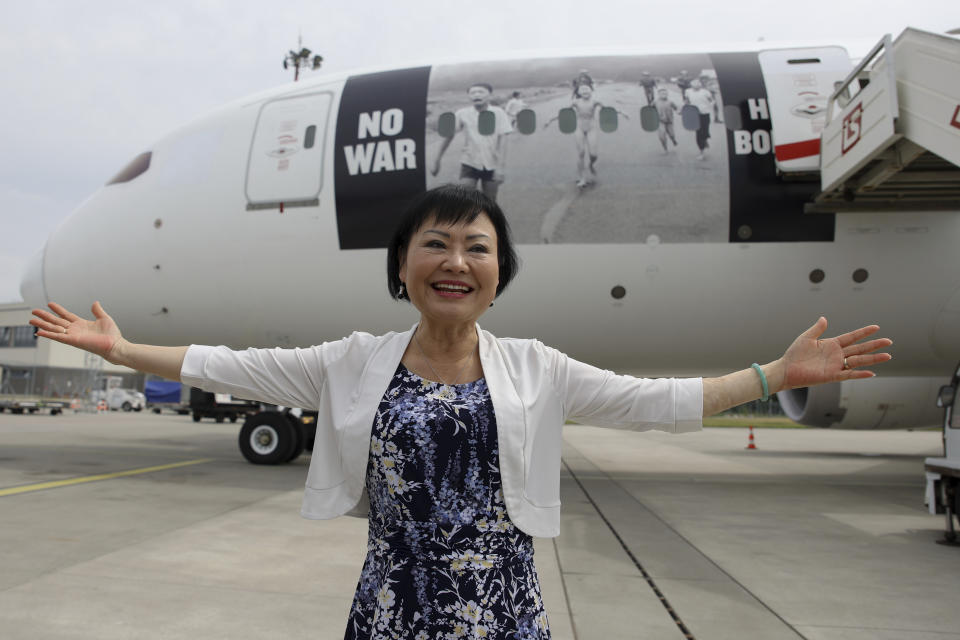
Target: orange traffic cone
[750,444]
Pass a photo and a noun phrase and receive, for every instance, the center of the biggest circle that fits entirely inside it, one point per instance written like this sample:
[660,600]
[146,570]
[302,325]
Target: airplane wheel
[267,438]
[126,406]
[298,444]
[196,416]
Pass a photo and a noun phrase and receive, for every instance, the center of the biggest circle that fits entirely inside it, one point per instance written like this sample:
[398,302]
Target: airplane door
[285,167]
[798,83]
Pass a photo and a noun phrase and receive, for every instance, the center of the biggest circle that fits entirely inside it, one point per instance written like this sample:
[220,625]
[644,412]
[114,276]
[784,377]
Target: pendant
[445,392]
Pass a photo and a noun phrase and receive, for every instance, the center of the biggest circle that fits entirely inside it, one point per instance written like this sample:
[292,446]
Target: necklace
[448,393]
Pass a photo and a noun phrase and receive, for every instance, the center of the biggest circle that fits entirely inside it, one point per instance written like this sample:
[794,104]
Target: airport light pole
[301,58]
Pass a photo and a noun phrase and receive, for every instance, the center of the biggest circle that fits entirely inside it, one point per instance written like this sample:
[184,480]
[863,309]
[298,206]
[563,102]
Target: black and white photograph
[569,154]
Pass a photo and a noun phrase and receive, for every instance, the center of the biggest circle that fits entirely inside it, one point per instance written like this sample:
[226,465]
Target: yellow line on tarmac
[103,476]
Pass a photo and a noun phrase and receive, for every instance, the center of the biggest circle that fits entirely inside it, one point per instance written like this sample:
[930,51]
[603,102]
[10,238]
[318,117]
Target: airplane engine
[877,403]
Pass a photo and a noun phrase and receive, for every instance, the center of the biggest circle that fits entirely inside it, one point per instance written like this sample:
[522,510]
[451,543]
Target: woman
[446,437]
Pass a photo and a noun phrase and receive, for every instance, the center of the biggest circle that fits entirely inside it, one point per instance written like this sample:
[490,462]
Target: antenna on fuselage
[301,58]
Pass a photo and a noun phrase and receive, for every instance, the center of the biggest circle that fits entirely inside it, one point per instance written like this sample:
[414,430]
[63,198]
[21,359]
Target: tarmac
[118,525]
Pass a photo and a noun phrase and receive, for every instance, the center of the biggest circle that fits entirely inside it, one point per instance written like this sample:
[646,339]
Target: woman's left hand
[814,360]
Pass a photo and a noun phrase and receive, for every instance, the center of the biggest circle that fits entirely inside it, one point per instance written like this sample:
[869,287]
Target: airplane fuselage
[264,223]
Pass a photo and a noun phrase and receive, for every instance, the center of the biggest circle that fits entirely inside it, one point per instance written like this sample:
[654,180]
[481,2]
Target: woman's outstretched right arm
[102,337]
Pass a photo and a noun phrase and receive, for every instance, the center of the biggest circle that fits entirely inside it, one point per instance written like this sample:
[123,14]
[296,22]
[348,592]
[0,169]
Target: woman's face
[451,272]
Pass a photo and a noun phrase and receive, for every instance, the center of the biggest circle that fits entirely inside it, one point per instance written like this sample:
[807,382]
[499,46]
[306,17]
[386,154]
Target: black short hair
[451,204]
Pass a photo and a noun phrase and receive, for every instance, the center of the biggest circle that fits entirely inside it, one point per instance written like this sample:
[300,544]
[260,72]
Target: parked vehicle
[121,399]
[32,403]
[167,394]
[219,406]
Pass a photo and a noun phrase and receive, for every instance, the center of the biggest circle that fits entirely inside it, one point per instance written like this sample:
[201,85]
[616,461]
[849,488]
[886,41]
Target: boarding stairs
[891,136]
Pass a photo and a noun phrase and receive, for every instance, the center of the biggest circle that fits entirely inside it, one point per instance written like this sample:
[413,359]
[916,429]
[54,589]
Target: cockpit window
[137,166]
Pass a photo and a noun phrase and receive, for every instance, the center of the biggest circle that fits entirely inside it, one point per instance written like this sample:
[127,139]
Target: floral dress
[444,561]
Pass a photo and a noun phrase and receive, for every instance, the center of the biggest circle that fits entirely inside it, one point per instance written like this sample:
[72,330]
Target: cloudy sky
[89,85]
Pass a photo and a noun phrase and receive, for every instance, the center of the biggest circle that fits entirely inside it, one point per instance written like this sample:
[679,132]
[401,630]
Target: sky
[89,85]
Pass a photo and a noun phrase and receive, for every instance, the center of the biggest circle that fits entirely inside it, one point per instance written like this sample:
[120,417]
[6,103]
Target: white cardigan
[534,390]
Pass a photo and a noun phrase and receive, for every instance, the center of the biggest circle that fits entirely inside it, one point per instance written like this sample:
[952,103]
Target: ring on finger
[845,364]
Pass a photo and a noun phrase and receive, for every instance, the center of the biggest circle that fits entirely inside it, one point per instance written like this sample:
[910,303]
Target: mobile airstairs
[889,140]
[889,132]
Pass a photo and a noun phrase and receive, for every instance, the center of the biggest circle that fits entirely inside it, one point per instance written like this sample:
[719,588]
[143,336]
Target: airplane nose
[32,289]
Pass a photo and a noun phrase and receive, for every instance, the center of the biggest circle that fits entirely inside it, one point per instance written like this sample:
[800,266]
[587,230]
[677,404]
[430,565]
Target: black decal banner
[379,156]
[763,206]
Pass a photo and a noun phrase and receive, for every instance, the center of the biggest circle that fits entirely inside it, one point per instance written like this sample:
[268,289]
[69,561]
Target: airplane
[264,222]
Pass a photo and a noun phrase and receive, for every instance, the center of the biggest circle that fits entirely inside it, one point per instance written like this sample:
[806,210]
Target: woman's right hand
[99,336]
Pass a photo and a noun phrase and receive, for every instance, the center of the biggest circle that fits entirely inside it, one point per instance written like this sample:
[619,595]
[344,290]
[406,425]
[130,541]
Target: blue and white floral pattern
[444,561]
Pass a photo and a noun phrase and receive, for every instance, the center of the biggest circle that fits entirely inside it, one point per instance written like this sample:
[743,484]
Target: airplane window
[486,123]
[732,118]
[137,166]
[608,119]
[567,120]
[527,121]
[860,276]
[690,117]
[649,118]
[618,292]
[309,136]
[447,124]
[817,276]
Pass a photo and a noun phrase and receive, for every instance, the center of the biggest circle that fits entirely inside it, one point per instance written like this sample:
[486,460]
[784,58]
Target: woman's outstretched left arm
[809,361]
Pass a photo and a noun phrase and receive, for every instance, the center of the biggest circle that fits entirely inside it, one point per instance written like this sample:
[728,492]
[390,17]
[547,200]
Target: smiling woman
[447,438]
[449,206]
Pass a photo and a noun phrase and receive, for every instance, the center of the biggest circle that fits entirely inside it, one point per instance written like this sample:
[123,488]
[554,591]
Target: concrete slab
[840,633]
[71,607]
[617,607]
[265,546]
[196,545]
[825,531]
[818,534]
[709,602]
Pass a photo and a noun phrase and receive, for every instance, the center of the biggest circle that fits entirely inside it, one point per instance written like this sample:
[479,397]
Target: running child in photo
[665,109]
[649,83]
[514,106]
[582,78]
[586,106]
[483,158]
[704,102]
[684,82]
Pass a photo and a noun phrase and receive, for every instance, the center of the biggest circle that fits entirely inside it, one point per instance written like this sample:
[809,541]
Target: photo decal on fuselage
[572,151]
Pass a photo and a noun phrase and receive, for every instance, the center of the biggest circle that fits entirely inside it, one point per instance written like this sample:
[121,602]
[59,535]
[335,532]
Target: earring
[400,292]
